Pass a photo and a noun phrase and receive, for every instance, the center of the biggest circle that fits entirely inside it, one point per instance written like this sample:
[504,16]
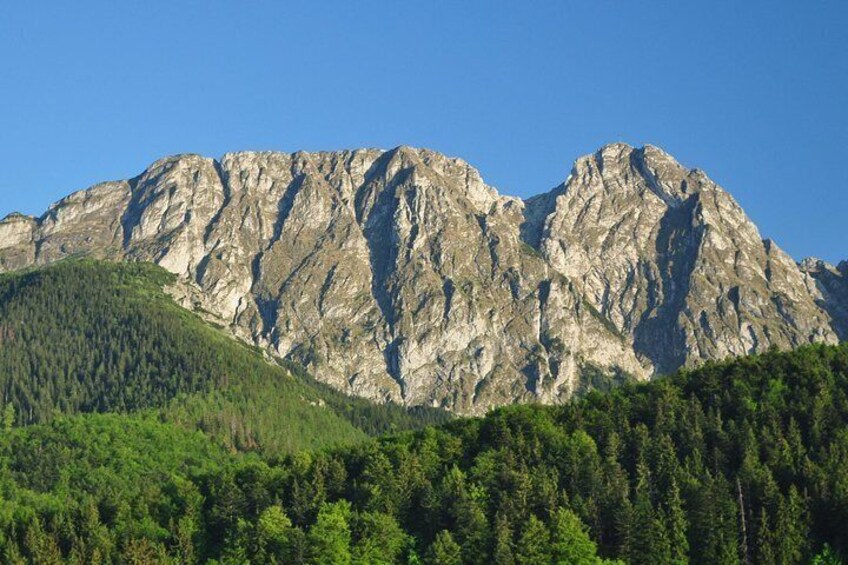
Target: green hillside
[133,432]
[745,461]
[84,336]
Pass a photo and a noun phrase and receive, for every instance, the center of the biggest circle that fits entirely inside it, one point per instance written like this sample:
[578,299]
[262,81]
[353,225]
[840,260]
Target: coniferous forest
[135,433]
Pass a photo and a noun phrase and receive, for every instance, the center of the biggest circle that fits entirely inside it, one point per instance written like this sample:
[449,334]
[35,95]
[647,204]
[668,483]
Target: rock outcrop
[831,290]
[672,261]
[401,275]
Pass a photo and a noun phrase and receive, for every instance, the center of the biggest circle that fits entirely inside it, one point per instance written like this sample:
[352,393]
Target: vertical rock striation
[401,275]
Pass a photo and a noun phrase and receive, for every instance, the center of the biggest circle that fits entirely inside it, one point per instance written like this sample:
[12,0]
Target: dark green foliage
[87,336]
[444,550]
[730,463]
[373,419]
[738,462]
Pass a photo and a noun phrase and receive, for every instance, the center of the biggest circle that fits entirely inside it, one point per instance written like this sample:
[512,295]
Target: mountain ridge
[401,275]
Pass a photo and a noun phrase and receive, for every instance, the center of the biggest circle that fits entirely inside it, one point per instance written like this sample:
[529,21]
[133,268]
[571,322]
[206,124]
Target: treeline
[739,462]
[87,336]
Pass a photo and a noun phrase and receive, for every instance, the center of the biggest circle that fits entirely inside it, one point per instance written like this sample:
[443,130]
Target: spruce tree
[570,542]
[534,544]
[444,550]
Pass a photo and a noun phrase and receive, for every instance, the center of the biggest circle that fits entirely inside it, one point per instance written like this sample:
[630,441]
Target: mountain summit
[401,275]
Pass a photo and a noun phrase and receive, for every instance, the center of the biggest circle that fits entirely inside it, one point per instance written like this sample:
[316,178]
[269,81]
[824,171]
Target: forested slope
[88,336]
[745,461]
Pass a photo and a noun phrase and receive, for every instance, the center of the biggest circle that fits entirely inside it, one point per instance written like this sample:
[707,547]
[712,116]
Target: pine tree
[570,542]
[715,521]
[41,545]
[648,539]
[444,550]
[381,540]
[676,526]
[503,552]
[8,417]
[272,535]
[472,528]
[791,528]
[765,542]
[534,544]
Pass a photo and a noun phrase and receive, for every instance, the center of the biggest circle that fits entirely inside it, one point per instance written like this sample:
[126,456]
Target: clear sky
[755,93]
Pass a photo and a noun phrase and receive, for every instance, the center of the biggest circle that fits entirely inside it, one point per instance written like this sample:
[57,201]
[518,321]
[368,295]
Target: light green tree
[381,540]
[570,542]
[329,538]
[272,534]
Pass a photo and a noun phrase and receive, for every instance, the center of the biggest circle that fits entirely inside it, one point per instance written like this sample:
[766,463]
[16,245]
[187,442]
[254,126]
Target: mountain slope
[87,336]
[744,461]
[401,275]
[831,284]
[674,263]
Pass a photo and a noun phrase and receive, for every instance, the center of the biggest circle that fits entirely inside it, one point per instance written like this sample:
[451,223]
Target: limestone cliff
[401,275]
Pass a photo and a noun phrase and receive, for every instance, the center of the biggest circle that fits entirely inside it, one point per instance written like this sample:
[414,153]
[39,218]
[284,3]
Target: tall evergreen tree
[570,542]
[503,551]
[534,544]
[675,525]
[444,550]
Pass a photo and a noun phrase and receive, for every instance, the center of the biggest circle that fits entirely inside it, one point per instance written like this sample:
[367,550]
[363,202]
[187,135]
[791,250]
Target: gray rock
[830,289]
[672,261]
[401,275]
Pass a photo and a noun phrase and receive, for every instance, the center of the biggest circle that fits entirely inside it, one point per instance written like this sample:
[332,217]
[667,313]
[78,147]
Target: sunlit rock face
[672,261]
[830,288]
[401,275]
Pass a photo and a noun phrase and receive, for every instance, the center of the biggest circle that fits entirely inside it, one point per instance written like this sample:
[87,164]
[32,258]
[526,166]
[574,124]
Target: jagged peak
[17,217]
[811,264]
[303,154]
[666,177]
[614,147]
[625,153]
[178,159]
[814,264]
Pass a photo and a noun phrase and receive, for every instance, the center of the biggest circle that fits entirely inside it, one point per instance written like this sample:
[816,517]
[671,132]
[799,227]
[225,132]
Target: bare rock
[400,275]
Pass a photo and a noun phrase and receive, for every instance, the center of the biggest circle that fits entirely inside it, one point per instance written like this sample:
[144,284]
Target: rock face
[672,261]
[830,290]
[401,275]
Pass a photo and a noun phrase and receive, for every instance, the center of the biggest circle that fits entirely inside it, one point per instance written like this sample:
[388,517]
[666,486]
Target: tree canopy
[744,461]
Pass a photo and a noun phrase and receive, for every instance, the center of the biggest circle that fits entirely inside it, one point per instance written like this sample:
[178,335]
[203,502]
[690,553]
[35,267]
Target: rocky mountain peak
[402,275]
[672,261]
[619,168]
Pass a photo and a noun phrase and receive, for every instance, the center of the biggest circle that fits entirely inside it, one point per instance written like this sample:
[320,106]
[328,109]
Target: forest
[167,454]
[85,336]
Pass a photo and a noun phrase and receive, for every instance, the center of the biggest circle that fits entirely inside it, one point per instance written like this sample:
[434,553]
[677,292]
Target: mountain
[95,337]
[674,263]
[737,462]
[832,286]
[400,275]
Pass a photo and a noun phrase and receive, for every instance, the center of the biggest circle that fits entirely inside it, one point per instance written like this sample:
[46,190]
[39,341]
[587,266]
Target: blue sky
[755,93]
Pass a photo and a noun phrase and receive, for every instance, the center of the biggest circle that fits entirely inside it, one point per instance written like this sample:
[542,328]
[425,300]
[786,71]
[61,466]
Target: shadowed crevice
[376,202]
[658,335]
[223,180]
[537,210]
